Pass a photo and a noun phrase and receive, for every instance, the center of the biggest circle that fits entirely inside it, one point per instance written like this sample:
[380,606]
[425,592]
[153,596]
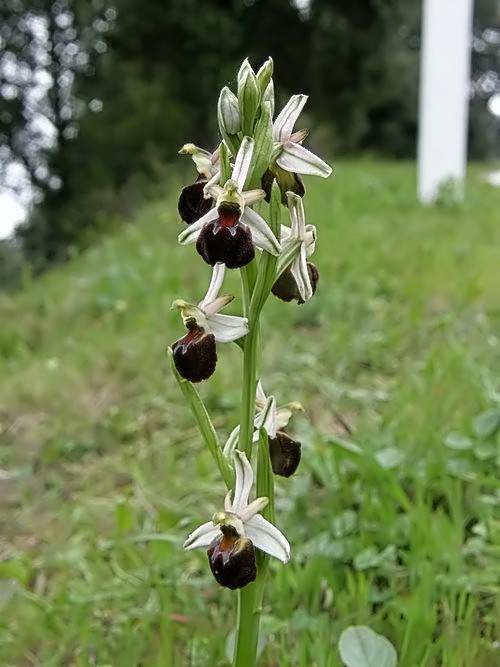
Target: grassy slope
[390,526]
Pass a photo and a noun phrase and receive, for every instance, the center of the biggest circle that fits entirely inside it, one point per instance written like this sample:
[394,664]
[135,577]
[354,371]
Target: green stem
[248,626]
[250,362]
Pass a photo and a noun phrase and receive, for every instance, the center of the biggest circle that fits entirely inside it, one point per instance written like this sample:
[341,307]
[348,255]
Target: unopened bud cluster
[246,205]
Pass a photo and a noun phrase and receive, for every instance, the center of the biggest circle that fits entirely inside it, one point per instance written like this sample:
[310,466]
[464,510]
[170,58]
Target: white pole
[444,96]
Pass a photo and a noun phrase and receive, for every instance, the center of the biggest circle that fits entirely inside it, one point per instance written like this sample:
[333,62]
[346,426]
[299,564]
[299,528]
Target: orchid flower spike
[230,230]
[299,279]
[195,354]
[233,533]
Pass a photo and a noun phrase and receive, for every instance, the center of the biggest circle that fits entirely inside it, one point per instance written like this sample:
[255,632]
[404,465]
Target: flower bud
[248,97]
[268,96]
[192,204]
[232,559]
[226,239]
[284,453]
[195,355]
[264,76]
[228,112]
[285,286]
[263,137]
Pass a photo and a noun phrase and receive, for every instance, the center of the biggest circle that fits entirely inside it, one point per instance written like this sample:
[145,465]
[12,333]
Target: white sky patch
[11,214]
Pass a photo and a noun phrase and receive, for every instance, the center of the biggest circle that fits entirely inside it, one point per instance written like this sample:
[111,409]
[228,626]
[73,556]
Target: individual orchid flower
[192,203]
[284,452]
[195,354]
[233,534]
[229,231]
[290,154]
[290,158]
[299,279]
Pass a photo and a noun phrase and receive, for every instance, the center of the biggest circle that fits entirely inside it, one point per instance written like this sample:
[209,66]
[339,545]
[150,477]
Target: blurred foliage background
[97,97]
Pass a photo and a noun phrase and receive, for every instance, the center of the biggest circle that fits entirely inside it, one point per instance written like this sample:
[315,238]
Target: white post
[444,95]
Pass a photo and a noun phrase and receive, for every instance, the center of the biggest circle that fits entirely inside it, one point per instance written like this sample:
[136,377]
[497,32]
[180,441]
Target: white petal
[253,196]
[254,508]
[243,162]
[244,480]
[297,215]
[215,285]
[266,418]
[310,239]
[227,501]
[191,233]
[285,233]
[259,393]
[227,450]
[227,328]
[283,125]
[285,412]
[268,538]
[299,160]
[301,274]
[218,304]
[262,234]
[202,536]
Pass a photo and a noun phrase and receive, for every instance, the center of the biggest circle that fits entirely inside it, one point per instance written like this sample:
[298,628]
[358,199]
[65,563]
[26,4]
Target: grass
[393,513]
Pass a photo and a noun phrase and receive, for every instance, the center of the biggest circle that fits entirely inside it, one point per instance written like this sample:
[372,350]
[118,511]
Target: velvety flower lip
[290,154]
[306,234]
[233,194]
[206,315]
[243,517]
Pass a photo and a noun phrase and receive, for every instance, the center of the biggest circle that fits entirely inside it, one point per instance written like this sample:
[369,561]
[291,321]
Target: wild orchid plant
[234,216]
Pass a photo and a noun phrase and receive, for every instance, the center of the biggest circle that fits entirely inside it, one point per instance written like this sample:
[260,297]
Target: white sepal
[268,538]
[262,234]
[283,125]
[227,328]
[202,536]
[243,162]
[243,480]
[191,233]
[299,160]
[213,290]
[266,418]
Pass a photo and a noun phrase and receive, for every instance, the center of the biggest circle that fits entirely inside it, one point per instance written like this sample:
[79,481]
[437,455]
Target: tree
[46,46]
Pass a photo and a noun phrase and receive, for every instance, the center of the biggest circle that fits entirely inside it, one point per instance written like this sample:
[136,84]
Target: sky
[11,213]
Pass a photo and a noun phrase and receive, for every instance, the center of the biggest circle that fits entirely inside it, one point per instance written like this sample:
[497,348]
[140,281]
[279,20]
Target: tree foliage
[96,94]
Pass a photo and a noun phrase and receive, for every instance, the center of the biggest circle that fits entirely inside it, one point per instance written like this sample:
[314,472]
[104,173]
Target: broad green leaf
[487,423]
[360,646]
[457,441]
